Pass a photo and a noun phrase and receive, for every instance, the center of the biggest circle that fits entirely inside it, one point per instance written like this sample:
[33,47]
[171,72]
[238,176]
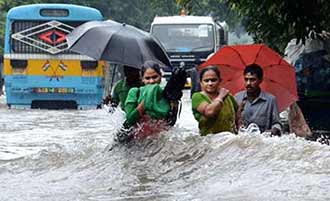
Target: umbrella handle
[113,77]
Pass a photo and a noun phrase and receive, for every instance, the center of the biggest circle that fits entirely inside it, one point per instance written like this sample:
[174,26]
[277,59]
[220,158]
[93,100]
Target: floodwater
[63,156]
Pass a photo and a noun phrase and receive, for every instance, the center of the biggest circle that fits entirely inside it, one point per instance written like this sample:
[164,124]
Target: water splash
[63,155]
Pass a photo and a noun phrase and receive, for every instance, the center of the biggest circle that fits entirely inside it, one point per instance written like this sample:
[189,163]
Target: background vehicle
[189,40]
[312,65]
[39,70]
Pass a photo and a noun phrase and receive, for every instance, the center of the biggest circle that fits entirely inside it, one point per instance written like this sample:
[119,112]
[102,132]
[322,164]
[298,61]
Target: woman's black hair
[151,64]
[213,68]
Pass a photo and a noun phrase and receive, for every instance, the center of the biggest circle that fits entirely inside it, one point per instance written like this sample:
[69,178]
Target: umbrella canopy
[116,43]
[279,76]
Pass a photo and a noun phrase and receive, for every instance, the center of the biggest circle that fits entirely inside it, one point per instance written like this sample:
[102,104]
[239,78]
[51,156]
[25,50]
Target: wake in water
[223,167]
[62,155]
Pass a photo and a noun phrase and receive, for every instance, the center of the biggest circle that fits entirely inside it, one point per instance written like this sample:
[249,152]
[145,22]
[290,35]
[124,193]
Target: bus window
[54,12]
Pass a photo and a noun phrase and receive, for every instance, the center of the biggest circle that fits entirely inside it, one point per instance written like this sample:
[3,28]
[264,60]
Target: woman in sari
[147,109]
[214,107]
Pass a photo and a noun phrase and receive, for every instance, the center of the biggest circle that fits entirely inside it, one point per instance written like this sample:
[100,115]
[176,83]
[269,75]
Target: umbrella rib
[235,78]
[279,60]
[257,55]
[264,46]
[230,66]
[118,31]
[280,65]
[142,56]
[270,80]
[239,55]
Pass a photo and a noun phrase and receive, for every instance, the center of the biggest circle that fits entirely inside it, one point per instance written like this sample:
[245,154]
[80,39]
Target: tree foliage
[220,11]
[139,13]
[273,22]
[276,22]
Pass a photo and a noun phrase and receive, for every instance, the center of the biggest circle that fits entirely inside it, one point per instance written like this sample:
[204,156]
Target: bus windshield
[185,37]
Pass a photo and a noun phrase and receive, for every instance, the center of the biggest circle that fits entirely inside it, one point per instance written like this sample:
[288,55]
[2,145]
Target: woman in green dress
[147,110]
[214,107]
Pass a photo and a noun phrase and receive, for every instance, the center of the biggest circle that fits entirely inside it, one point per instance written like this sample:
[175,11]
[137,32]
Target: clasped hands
[222,93]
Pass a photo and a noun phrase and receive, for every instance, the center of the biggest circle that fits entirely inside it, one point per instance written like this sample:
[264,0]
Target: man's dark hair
[254,69]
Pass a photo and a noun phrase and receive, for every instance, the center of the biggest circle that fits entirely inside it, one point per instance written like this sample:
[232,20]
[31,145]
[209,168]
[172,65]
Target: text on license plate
[53,90]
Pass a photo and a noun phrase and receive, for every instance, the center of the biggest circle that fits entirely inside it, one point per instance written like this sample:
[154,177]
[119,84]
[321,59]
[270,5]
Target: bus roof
[32,11]
[183,20]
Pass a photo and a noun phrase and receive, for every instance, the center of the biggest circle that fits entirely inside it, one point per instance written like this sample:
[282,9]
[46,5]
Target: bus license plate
[54,90]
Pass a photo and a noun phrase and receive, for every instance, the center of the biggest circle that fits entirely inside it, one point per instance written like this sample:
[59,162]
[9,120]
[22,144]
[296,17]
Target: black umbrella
[117,43]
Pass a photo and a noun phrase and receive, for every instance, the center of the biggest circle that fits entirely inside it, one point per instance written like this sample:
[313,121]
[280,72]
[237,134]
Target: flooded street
[59,155]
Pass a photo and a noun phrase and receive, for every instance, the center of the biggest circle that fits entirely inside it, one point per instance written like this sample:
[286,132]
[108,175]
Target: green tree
[218,10]
[276,22]
[139,13]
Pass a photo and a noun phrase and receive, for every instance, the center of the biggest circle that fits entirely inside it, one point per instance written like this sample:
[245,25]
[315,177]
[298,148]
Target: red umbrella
[279,75]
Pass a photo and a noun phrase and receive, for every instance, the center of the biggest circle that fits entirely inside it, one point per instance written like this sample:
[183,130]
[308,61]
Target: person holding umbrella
[257,106]
[120,43]
[214,107]
[121,88]
[148,108]
[260,74]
